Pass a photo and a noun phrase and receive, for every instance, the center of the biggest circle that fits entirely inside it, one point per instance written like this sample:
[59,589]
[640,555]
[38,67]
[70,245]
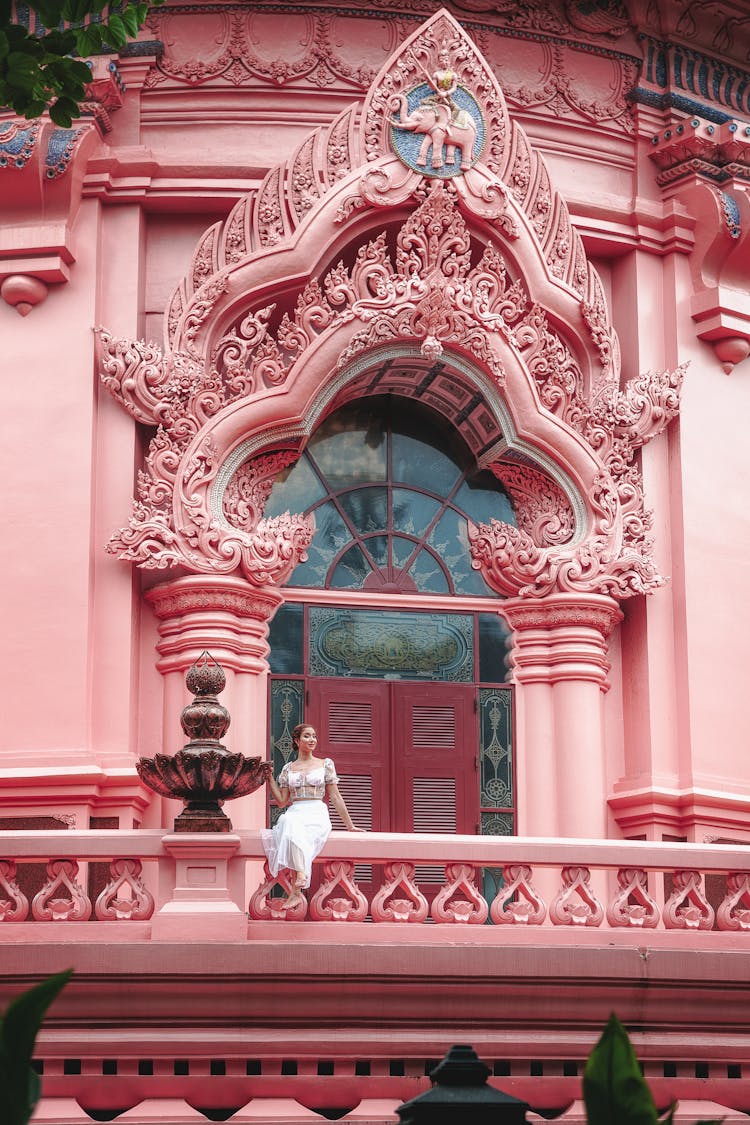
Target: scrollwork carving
[399,899]
[338,899]
[15,907]
[517,902]
[576,904]
[616,558]
[125,898]
[264,906]
[734,911]
[542,509]
[70,902]
[687,908]
[633,905]
[459,901]
[246,494]
[436,289]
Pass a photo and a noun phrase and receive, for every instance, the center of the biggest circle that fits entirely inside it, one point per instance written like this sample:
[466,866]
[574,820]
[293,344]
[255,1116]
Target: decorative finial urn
[204,773]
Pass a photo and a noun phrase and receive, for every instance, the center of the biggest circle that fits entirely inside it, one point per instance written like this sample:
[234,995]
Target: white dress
[301,831]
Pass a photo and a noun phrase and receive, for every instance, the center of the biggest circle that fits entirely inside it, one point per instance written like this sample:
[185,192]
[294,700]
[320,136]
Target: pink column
[560,662]
[534,722]
[229,618]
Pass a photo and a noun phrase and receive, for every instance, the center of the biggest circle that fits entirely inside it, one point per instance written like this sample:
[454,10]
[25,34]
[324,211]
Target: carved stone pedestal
[207,891]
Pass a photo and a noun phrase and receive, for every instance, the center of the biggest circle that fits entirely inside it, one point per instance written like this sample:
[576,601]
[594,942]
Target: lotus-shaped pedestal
[203,781]
[203,774]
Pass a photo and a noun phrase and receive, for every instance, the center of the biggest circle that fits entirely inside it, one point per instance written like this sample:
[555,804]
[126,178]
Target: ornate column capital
[223,614]
[563,637]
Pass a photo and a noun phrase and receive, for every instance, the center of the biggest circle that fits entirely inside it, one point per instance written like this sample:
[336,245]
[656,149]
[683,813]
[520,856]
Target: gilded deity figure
[444,82]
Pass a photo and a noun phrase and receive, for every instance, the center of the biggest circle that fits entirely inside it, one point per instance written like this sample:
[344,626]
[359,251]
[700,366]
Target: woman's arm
[332,792]
[280,792]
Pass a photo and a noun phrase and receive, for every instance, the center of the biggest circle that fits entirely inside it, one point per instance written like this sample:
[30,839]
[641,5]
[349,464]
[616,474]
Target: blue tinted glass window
[391,486]
[352,570]
[428,575]
[350,446]
[285,637]
[494,649]
[367,508]
[481,500]
[418,463]
[331,535]
[295,490]
[413,512]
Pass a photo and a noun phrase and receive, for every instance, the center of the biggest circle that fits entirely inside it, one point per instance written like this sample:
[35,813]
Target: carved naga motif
[178,396]
[616,557]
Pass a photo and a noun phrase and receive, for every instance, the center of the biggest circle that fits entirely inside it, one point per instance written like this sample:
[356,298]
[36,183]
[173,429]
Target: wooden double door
[406,753]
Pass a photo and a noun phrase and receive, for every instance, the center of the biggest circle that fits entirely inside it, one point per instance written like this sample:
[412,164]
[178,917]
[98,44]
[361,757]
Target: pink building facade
[396,358]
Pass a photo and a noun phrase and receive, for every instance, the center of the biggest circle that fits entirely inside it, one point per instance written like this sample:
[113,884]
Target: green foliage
[38,72]
[19,1083]
[614,1090]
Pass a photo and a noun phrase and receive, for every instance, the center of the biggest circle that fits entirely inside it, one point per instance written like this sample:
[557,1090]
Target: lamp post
[460,1096]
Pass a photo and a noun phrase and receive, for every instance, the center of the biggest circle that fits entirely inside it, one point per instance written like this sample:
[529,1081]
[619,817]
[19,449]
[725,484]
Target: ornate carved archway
[416,242]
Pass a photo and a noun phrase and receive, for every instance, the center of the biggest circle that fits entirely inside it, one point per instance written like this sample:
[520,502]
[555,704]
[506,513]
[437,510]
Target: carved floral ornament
[486,271]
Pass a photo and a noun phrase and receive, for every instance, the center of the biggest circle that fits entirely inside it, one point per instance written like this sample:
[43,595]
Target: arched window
[391,486]
[411,700]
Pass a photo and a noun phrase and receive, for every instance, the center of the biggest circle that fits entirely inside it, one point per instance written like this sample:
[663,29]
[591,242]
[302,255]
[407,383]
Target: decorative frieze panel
[343,49]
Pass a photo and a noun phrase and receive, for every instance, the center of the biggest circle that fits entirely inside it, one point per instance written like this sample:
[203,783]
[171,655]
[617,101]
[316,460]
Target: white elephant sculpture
[443,127]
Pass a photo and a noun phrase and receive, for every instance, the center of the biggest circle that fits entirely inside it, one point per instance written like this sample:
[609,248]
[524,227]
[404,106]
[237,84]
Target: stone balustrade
[484,886]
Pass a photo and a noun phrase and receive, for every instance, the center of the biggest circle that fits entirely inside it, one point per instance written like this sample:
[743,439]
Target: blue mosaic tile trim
[59,151]
[16,150]
[731,214]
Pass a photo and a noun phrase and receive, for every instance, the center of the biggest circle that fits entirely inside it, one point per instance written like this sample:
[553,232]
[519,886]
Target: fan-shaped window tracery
[391,486]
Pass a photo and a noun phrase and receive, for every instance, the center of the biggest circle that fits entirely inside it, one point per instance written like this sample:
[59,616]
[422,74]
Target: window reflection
[391,486]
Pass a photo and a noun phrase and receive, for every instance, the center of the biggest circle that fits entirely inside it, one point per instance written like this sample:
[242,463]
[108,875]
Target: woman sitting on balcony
[300,834]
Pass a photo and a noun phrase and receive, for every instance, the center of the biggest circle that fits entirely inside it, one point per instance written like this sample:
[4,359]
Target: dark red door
[405,754]
[434,751]
[352,721]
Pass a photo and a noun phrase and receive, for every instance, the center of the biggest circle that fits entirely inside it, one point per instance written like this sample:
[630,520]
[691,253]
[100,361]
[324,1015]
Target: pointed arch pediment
[422,222]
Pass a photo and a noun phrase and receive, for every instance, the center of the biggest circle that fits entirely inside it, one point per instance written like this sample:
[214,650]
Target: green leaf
[63,111]
[614,1090]
[18,1032]
[22,71]
[35,108]
[35,1088]
[80,72]
[89,40]
[130,19]
[59,116]
[115,32]
[4,45]
[24,1016]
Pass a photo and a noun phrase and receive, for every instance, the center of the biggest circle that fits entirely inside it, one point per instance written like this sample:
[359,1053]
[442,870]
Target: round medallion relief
[435,132]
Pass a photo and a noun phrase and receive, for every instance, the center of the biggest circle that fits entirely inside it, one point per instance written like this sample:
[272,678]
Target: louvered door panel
[434,810]
[356,789]
[435,752]
[352,721]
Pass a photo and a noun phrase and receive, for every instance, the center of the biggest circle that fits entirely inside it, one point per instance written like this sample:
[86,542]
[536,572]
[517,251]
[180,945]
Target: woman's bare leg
[295,893]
